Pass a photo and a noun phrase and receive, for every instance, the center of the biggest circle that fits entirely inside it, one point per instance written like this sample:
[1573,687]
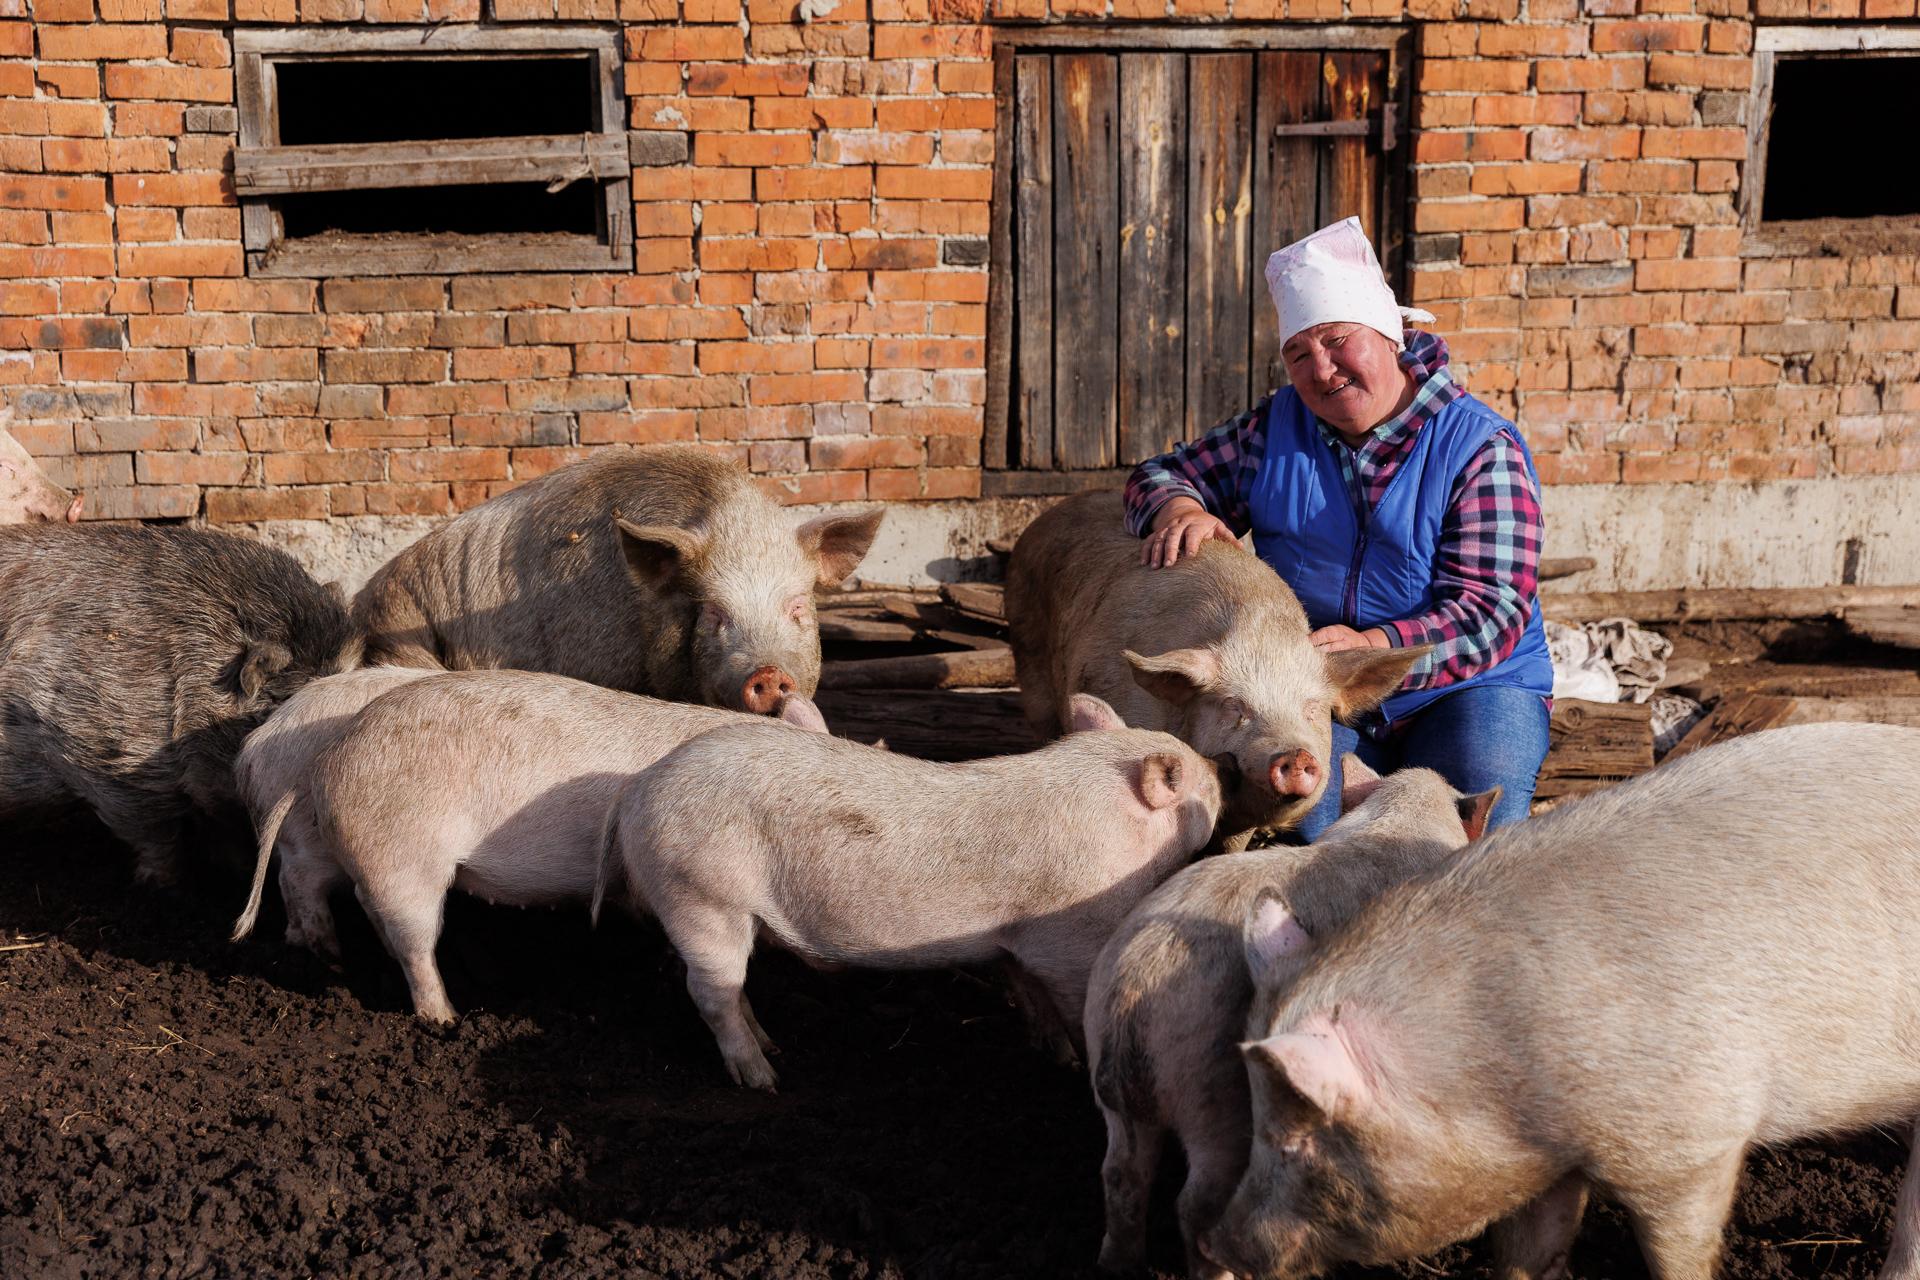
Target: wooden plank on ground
[1899,628]
[1086,258]
[1900,711]
[1564,566]
[1285,189]
[1032,426]
[1801,680]
[1722,604]
[961,669]
[1349,184]
[1594,743]
[1222,276]
[1734,717]
[1152,338]
[984,600]
[944,724]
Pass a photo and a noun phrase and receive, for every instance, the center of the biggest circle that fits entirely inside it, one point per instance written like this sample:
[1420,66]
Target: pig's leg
[1126,1178]
[715,944]
[308,877]
[1216,1144]
[409,923]
[760,1036]
[1903,1258]
[1533,1242]
[151,824]
[1680,1221]
[1046,1029]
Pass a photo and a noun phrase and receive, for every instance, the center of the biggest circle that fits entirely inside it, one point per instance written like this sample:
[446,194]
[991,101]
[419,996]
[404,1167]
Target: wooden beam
[1897,627]
[344,255]
[376,166]
[1018,484]
[1134,37]
[993,441]
[414,41]
[963,668]
[1721,604]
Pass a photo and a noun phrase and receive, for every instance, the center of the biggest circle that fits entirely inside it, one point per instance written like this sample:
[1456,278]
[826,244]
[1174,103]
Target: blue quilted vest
[1363,568]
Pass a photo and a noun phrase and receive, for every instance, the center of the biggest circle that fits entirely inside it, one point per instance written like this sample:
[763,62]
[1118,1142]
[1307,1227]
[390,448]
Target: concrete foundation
[1802,533]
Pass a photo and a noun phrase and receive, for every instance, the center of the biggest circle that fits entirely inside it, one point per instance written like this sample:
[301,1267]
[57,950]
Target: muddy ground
[175,1105]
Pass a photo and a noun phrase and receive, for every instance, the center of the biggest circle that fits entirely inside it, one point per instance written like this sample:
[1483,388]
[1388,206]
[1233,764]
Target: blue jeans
[1483,736]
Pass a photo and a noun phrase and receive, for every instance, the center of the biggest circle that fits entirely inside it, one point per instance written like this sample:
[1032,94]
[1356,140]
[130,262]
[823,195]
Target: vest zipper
[1350,596]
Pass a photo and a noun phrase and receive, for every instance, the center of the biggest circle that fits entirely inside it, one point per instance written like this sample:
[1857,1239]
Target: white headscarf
[1333,275]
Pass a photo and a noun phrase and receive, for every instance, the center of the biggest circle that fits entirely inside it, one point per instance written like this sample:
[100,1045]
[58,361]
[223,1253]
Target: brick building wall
[810,285]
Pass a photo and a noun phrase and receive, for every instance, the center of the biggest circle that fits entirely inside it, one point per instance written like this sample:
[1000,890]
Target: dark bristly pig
[1627,993]
[659,571]
[25,492]
[134,661]
[1213,650]
[846,855]
[1170,995]
[496,783]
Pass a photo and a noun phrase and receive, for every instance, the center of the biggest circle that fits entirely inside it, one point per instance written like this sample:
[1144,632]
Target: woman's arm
[1215,471]
[1486,570]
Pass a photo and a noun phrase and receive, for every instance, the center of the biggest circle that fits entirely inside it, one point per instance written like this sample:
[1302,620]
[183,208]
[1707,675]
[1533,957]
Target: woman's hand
[1179,529]
[1335,638]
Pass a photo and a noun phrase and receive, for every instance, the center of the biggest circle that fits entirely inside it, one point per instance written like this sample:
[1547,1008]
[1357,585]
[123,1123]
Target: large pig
[1169,998]
[134,661]
[26,493]
[272,771]
[497,783]
[1213,650]
[848,855]
[661,571]
[1626,993]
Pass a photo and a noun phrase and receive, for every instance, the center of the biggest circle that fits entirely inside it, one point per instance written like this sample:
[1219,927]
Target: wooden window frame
[1815,236]
[998,478]
[264,170]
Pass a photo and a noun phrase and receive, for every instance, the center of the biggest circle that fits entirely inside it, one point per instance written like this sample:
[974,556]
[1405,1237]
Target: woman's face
[1347,374]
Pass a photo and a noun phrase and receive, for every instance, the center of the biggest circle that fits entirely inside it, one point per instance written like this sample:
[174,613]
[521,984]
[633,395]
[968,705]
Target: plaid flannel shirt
[1485,570]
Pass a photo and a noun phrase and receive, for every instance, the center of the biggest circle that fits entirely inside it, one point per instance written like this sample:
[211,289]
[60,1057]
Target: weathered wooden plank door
[1147,189]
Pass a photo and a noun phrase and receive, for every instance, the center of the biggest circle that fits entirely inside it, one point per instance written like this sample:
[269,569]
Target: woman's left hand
[1335,638]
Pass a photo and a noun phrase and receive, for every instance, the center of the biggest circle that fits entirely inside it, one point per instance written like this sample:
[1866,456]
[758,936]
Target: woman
[1401,511]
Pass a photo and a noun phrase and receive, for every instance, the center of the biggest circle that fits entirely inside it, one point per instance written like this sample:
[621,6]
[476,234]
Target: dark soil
[175,1105]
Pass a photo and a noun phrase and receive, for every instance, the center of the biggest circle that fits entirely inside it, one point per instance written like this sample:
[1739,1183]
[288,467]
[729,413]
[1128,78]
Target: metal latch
[1386,124]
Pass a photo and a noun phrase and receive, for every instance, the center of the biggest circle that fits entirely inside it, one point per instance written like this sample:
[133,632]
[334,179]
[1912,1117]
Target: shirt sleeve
[1485,572]
[1216,471]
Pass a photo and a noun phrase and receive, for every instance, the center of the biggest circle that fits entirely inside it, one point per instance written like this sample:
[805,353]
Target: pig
[25,492]
[134,662]
[662,571]
[1213,649]
[496,783]
[851,856]
[1626,993]
[271,772]
[1171,991]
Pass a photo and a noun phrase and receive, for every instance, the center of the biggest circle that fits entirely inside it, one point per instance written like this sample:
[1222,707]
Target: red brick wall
[809,293]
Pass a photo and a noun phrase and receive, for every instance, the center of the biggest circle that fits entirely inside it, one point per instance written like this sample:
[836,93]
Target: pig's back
[1727,939]
[279,753]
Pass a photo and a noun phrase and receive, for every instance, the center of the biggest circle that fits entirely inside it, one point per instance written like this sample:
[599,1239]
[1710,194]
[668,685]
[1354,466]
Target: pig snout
[1295,773]
[765,689]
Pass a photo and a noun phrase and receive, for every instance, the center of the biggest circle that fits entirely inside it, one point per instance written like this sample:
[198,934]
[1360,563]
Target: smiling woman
[1401,510]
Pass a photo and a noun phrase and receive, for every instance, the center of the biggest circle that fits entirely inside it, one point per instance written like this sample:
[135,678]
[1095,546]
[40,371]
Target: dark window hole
[426,99]
[1823,160]
[494,209]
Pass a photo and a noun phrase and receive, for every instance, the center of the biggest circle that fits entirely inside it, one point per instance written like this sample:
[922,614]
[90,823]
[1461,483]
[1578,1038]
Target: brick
[699,115]
[448,464]
[1525,179]
[737,80]
[812,184]
[652,149]
[641,426]
[299,503]
[172,189]
[754,149]
[22,191]
[102,40]
[141,502]
[386,366]
[1687,273]
[1469,215]
[1682,36]
[391,293]
[134,435]
[181,260]
[168,83]
[874,147]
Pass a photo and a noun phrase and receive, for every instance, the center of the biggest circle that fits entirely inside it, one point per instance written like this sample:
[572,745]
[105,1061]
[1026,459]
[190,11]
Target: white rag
[1333,276]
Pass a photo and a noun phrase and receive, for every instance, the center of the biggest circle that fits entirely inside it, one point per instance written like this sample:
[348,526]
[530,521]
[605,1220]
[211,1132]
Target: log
[1900,711]
[1899,628]
[946,724]
[986,601]
[1721,605]
[864,626]
[1802,680]
[965,668]
[1564,567]
[1594,743]
[1735,716]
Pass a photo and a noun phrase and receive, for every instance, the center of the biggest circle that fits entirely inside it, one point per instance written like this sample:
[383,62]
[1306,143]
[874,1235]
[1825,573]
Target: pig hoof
[1118,1259]
[440,1015]
[755,1074]
[156,871]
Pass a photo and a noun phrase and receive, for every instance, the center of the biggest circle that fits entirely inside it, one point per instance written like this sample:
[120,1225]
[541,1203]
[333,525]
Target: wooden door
[1142,193]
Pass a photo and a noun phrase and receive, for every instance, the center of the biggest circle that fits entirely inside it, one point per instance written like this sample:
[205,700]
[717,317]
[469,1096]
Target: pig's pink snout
[1295,773]
[765,689]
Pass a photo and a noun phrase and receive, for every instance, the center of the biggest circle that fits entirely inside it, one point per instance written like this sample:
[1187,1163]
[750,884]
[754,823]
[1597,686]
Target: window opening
[419,100]
[1818,165]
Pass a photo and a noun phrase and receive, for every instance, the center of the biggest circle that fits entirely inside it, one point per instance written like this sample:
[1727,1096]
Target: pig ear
[335,592]
[1157,778]
[1357,782]
[1177,676]
[1364,678]
[261,663]
[656,552]
[840,543]
[1088,714]
[1272,934]
[1475,810]
[797,709]
[1316,1063]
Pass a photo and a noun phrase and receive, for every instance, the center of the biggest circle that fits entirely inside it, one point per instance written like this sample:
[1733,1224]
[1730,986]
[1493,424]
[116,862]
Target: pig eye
[1236,711]
[712,615]
[798,608]
[1316,710]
